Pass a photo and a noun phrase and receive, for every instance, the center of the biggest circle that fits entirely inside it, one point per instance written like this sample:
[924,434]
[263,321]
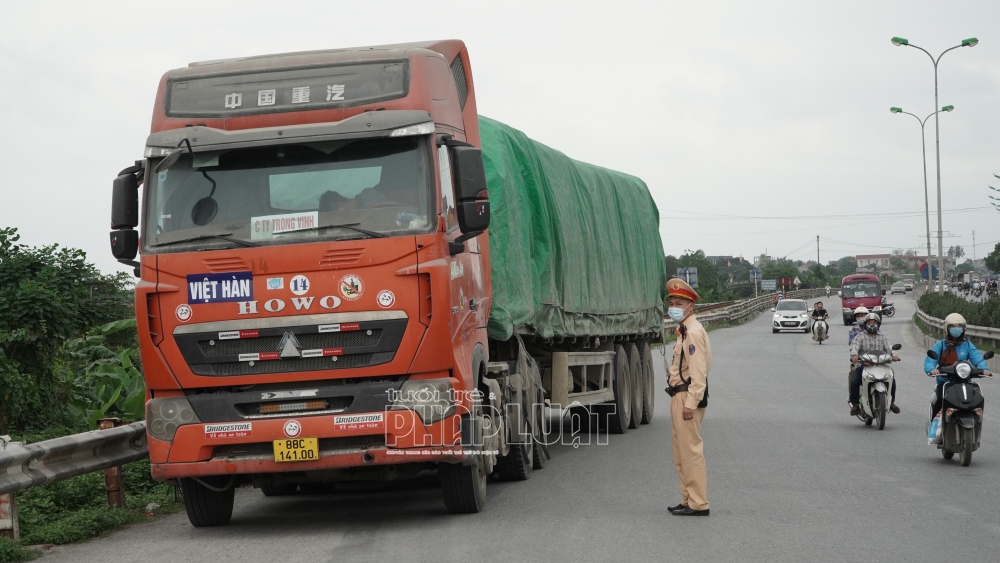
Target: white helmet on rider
[860,313]
[869,328]
[957,321]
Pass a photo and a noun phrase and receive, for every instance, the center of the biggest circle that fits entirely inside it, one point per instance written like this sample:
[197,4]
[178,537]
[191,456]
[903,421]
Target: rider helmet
[860,313]
[869,328]
[957,321]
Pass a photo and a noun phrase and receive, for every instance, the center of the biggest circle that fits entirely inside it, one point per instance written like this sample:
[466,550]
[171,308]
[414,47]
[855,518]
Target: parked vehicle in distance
[790,314]
[898,287]
[908,281]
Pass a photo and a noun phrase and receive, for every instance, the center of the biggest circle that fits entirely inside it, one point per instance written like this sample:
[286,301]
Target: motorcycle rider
[819,313]
[951,349]
[859,316]
[867,342]
[827,290]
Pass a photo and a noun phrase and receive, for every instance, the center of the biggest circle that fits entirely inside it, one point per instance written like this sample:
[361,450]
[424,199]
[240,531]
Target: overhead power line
[836,217]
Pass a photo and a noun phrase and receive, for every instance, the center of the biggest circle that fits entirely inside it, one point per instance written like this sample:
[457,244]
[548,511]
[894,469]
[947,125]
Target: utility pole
[973,248]
[817,249]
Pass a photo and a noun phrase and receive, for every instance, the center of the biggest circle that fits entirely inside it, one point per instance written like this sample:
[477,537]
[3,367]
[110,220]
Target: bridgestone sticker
[231,430]
[359,421]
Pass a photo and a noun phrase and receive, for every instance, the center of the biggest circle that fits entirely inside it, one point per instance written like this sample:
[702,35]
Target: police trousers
[689,454]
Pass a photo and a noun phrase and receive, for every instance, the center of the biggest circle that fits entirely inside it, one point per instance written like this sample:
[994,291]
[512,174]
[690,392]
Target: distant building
[758,260]
[873,260]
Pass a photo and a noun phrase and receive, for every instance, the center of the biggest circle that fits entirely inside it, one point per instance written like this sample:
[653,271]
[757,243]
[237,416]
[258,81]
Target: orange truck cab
[315,283]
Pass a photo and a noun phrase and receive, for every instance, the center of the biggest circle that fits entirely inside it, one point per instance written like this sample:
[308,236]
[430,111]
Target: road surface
[792,478]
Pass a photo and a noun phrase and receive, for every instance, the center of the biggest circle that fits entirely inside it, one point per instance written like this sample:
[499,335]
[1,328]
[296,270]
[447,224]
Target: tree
[48,296]
[993,260]
[710,282]
[956,252]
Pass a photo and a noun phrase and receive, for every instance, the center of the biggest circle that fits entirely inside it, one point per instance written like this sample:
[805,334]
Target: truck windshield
[292,194]
[861,289]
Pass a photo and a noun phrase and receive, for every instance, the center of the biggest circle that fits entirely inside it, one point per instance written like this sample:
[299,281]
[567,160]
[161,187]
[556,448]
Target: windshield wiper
[223,236]
[351,226]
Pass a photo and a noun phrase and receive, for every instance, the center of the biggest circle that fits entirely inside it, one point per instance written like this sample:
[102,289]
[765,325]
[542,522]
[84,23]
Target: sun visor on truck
[232,94]
[368,124]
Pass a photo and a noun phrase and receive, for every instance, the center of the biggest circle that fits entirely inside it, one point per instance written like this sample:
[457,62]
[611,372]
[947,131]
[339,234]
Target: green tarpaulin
[575,248]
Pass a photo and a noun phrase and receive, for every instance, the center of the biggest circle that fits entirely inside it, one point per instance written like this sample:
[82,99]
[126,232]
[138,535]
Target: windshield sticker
[229,287]
[275,283]
[299,285]
[265,227]
[385,299]
[231,430]
[184,312]
[351,287]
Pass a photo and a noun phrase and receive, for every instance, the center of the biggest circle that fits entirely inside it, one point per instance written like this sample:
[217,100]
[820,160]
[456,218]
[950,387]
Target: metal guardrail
[739,311]
[970,330]
[69,456]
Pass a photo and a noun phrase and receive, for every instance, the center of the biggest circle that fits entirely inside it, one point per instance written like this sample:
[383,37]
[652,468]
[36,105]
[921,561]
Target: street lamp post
[923,148]
[970,42]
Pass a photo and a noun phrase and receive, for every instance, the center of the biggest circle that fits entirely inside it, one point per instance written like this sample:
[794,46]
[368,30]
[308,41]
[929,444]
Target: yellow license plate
[296,449]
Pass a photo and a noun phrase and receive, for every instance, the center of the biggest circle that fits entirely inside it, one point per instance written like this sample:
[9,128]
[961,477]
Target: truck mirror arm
[457,246]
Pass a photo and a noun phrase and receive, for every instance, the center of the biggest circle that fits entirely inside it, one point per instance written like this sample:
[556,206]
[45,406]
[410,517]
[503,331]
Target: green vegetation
[11,552]
[68,357]
[993,259]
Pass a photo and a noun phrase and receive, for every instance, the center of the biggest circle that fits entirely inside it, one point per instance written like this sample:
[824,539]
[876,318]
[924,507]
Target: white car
[790,314]
[898,287]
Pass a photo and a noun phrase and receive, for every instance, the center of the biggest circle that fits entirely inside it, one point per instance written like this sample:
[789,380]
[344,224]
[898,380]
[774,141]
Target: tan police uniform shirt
[697,362]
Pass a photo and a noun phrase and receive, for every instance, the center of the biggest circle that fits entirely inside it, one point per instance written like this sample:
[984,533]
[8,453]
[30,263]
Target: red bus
[860,290]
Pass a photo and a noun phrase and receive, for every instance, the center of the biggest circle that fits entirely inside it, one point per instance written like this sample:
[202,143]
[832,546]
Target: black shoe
[677,508]
[688,511]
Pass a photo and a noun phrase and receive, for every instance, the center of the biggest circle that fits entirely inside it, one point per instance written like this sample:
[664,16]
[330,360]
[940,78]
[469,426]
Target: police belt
[678,389]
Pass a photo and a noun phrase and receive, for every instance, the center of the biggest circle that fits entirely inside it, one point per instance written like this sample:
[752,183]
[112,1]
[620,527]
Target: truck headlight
[432,399]
[164,416]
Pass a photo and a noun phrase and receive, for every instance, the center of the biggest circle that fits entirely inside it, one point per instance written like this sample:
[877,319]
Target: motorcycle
[961,409]
[876,382]
[828,292]
[888,310]
[977,292]
[820,330]
[991,292]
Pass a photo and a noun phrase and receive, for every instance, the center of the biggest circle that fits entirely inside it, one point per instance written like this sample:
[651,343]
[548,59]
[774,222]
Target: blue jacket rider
[950,349]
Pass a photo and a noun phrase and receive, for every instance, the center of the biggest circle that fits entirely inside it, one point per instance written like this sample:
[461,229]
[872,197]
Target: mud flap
[966,422]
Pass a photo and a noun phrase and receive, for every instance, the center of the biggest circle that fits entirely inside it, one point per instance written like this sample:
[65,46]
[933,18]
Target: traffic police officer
[687,381]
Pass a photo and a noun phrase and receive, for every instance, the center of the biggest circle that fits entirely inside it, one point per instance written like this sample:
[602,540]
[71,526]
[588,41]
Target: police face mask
[956,332]
[676,314]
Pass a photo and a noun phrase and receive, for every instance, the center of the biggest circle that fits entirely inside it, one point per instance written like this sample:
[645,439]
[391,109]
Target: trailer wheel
[618,420]
[648,396]
[517,464]
[635,384]
[317,488]
[207,507]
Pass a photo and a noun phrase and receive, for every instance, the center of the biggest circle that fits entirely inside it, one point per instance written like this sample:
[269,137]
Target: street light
[923,147]
[970,42]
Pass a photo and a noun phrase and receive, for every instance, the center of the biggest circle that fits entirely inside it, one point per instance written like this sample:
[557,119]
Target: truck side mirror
[473,206]
[125,244]
[125,202]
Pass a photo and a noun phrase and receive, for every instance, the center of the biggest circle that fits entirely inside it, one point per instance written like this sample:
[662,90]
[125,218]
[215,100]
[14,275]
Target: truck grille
[356,339]
[325,445]
[329,342]
[286,366]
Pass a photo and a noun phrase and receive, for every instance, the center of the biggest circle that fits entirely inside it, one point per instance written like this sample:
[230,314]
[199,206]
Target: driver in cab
[871,341]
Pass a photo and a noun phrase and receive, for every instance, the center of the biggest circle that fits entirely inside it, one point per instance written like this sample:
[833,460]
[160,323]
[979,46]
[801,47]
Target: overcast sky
[741,109]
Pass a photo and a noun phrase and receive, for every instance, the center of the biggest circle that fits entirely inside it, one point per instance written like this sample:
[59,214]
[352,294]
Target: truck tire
[636,384]
[282,490]
[621,408]
[517,464]
[463,488]
[648,396]
[206,507]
